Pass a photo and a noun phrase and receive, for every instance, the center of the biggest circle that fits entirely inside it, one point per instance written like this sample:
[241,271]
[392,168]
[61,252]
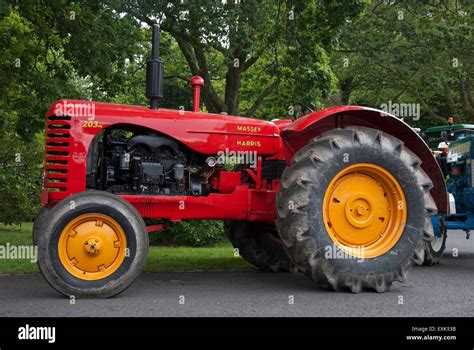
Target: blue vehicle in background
[453,147]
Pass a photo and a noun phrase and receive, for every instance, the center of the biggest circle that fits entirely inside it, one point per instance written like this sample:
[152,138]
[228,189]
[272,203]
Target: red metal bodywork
[201,132]
[68,141]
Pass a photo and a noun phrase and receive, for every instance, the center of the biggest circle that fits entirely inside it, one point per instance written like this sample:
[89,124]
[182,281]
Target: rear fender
[300,132]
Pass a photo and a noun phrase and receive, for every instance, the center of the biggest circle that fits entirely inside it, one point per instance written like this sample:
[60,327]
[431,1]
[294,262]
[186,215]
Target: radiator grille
[58,139]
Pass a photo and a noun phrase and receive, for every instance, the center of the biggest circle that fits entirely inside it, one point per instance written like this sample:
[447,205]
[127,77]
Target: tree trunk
[449,99]
[268,90]
[436,118]
[232,89]
[346,89]
[467,107]
[197,63]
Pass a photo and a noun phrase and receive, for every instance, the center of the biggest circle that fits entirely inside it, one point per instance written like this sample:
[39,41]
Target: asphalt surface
[444,290]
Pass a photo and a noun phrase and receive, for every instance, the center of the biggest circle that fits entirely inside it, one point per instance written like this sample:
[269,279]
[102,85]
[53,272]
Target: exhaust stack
[154,71]
[196,82]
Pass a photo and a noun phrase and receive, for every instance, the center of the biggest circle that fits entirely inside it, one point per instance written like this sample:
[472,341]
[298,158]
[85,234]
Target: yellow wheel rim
[364,210]
[92,246]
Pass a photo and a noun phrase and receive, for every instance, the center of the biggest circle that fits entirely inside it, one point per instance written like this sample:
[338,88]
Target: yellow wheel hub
[92,246]
[364,210]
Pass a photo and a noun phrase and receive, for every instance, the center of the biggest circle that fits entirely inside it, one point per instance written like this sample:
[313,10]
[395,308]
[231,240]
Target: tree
[223,40]
[410,52]
[20,173]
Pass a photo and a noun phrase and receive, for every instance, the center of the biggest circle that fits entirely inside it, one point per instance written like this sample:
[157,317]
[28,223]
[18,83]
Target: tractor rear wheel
[354,209]
[94,244]
[258,244]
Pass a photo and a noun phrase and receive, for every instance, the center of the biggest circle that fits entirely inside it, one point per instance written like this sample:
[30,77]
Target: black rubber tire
[432,256]
[301,225]
[38,223]
[93,202]
[258,244]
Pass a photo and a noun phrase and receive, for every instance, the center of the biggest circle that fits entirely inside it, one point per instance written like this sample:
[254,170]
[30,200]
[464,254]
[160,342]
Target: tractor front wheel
[258,244]
[354,209]
[39,223]
[94,244]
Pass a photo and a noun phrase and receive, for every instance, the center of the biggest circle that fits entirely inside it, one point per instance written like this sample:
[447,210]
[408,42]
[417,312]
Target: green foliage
[410,52]
[20,174]
[199,233]
[31,76]
[257,57]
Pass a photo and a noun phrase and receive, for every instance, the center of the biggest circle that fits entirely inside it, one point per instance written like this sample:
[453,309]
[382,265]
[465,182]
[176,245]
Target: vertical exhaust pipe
[154,71]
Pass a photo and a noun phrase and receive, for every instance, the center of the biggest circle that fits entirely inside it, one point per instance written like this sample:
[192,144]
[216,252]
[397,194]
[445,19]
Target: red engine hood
[203,132]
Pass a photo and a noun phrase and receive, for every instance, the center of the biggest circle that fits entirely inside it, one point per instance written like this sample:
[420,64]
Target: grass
[160,259]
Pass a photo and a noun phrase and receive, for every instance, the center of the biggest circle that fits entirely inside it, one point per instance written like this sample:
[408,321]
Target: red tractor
[345,194]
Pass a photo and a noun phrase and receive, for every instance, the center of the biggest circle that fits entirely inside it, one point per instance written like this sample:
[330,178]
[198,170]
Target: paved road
[445,290]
